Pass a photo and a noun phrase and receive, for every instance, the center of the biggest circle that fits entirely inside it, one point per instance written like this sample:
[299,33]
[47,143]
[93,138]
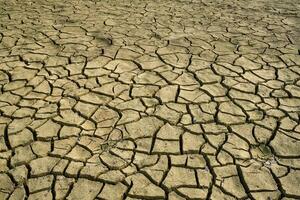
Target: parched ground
[141,99]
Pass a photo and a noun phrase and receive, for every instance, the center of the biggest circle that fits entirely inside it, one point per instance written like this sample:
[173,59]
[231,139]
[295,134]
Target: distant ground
[149,99]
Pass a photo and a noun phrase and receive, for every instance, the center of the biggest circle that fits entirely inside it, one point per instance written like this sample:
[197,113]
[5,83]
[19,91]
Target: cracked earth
[149,99]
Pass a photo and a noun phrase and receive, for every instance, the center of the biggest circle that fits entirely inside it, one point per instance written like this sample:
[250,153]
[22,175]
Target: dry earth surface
[142,99]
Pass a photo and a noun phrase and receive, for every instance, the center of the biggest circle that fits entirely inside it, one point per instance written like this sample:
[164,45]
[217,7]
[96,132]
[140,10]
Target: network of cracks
[144,99]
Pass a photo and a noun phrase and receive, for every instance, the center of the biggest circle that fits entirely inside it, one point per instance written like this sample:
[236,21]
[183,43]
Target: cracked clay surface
[141,99]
